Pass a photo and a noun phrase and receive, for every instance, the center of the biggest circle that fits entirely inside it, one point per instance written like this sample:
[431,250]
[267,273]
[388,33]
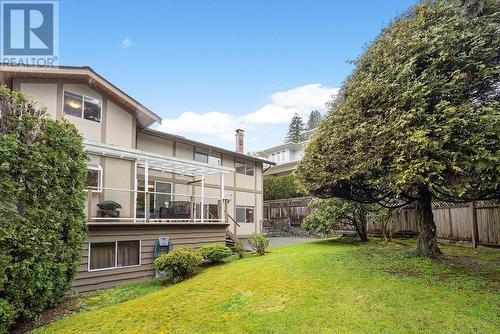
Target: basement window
[114,254]
[82,106]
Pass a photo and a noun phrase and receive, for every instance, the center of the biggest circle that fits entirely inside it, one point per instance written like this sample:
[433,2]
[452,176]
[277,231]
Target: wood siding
[190,235]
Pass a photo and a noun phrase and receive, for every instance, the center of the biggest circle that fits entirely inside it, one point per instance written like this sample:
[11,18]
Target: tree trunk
[427,243]
[360,224]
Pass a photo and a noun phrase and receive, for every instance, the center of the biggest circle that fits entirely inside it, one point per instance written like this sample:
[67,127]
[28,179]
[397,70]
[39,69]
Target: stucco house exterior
[285,156]
[143,184]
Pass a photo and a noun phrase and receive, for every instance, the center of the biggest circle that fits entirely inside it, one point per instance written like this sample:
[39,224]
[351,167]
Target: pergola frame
[154,161]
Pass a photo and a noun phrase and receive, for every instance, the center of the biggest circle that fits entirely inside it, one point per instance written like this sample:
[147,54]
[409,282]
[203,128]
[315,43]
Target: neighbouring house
[285,156]
[143,184]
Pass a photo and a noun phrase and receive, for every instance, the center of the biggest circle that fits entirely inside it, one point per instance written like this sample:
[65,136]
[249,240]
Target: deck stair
[231,238]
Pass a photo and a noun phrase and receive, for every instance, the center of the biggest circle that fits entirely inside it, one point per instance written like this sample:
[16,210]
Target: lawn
[320,287]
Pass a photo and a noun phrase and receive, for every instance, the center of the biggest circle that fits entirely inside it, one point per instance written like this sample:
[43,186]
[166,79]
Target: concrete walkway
[282,241]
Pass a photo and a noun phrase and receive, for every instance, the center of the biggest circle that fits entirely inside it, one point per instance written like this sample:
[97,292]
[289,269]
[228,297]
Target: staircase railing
[232,236]
[232,219]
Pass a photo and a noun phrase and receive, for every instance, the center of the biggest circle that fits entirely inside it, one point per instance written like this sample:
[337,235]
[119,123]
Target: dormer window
[82,106]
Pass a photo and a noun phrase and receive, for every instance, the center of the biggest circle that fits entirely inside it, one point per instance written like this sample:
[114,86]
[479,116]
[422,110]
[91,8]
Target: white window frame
[98,168]
[116,255]
[83,106]
[245,207]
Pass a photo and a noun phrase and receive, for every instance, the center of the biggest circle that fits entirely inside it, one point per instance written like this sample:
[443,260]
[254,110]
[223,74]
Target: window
[201,157]
[115,254]
[211,211]
[240,167]
[82,106]
[244,168]
[210,159]
[163,199]
[94,177]
[157,202]
[245,214]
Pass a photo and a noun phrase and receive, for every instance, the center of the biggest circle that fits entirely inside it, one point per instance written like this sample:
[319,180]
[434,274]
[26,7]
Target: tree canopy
[42,221]
[295,130]
[280,187]
[418,119]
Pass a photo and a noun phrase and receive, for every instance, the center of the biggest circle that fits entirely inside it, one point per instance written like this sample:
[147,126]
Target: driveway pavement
[282,241]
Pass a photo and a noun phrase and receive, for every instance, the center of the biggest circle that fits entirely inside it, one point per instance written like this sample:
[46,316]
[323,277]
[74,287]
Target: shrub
[239,249]
[42,182]
[215,253]
[279,187]
[259,242]
[180,263]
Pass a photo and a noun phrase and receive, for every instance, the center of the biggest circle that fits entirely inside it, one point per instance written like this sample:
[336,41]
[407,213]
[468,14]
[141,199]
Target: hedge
[42,221]
[280,187]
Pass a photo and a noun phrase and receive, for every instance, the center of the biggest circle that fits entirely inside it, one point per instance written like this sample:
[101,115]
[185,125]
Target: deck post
[202,210]
[146,191]
[89,204]
[223,207]
[135,192]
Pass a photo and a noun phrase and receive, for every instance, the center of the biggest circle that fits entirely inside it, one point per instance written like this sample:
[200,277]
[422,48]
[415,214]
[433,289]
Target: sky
[209,67]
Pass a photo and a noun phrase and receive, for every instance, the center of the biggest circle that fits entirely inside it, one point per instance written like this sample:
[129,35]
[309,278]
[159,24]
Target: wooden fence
[477,222]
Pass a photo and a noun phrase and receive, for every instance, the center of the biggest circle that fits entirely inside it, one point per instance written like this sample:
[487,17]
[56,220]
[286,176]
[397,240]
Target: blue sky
[207,67]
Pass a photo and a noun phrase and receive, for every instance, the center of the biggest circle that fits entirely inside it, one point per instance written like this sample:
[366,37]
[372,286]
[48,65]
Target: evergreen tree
[419,118]
[314,120]
[295,130]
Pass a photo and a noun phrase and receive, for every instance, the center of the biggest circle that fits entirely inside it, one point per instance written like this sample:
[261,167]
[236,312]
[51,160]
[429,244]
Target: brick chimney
[240,148]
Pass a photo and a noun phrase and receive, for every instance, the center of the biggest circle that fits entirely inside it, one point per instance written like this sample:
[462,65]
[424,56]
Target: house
[285,156]
[143,184]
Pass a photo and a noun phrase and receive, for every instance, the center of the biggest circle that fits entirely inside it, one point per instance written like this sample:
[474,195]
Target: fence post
[473,219]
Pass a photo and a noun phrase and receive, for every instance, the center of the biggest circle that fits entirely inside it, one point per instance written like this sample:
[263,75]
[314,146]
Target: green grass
[320,287]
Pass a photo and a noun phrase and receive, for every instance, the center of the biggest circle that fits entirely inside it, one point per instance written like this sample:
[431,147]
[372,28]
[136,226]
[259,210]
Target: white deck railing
[177,208]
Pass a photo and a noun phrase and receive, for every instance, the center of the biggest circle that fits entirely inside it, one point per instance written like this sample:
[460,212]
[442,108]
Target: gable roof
[144,116]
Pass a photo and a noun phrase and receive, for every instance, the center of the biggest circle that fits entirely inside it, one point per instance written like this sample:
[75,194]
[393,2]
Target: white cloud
[301,100]
[215,123]
[127,42]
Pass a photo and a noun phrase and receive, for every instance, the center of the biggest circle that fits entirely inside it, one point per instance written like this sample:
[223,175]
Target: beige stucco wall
[119,126]
[184,151]
[240,189]
[154,144]
[44,93]
[245,181]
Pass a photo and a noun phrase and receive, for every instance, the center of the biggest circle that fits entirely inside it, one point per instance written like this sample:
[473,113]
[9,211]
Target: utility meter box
[164,241]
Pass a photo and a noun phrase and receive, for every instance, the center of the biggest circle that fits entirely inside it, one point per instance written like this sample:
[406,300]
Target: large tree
[419,118]
[295,130]
[314,120]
